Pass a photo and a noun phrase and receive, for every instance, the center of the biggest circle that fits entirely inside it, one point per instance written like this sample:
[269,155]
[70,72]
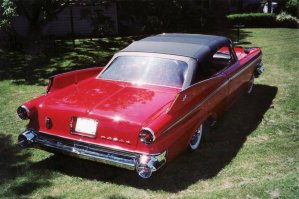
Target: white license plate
[85,125]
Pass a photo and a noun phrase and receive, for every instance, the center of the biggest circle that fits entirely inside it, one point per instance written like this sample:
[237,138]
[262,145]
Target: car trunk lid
[119,108]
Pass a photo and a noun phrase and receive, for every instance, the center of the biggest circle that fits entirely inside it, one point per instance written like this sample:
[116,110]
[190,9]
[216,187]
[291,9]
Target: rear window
[147,70]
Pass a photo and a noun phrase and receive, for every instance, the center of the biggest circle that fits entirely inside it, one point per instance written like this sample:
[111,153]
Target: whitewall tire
[196,139]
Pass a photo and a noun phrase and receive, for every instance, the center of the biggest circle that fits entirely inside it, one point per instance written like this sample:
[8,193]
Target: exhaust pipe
[27,138]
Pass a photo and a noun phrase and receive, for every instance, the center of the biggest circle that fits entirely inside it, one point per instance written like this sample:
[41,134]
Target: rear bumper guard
[144,164]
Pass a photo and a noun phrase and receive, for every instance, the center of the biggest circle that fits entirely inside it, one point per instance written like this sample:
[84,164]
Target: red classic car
[154,99]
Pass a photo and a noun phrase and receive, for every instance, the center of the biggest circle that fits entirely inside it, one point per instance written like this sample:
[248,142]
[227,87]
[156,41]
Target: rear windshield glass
[147,70]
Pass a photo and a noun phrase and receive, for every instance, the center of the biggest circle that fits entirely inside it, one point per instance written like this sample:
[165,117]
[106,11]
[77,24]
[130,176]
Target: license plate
[87,126]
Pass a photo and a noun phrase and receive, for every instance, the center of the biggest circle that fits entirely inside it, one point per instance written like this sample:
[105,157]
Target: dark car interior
[213,64]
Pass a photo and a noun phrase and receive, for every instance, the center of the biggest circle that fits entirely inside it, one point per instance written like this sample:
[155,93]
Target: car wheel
[250,85]
[196,139]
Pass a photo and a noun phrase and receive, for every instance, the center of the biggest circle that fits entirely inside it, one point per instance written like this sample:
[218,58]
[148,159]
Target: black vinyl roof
[189,45]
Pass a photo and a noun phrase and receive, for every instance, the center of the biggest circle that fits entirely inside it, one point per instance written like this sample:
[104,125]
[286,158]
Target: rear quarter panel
[240,73]
[190,108]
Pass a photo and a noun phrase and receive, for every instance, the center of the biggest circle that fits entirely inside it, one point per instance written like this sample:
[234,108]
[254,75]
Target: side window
[221,59]
[213,64]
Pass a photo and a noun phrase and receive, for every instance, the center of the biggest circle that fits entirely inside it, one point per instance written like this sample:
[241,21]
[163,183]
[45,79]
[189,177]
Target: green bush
[292,7]
[263,20]
[286,20]
[253,19]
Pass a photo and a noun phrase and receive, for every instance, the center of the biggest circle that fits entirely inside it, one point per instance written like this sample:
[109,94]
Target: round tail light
[146,136]
[23,112]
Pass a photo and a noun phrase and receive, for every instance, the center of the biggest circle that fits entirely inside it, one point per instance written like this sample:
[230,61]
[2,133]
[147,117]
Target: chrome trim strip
[245,68]
[80,142]
[100,145]
[92,157]
[191,86]
[87,151]
[208,97]
[196,107]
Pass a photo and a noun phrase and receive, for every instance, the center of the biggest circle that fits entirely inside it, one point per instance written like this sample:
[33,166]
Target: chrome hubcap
[196,138]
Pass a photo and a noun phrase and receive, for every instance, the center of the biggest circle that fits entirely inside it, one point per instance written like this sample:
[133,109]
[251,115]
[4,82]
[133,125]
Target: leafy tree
[38,13]
[102,25]
[292,7]
[147,16]
[7,13]
[152,16]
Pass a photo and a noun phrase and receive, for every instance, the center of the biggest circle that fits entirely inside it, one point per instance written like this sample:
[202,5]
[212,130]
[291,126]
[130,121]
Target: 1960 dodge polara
[153,100]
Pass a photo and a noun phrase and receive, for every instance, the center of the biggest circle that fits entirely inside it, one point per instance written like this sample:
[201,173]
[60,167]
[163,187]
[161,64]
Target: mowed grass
[253,151]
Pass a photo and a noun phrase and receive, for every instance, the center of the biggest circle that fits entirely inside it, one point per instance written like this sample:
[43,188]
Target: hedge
[265,20]
[253,19]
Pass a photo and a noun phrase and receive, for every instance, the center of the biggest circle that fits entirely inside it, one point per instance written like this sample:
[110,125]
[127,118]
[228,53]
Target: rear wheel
[196,139]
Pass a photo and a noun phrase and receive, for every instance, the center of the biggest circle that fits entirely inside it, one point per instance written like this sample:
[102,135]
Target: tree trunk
[33,39]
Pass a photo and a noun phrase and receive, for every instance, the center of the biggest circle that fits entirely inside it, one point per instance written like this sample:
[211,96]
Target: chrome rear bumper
[123,159]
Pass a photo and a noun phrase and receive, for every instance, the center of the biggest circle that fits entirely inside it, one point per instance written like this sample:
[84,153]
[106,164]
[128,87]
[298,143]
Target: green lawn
[253,152]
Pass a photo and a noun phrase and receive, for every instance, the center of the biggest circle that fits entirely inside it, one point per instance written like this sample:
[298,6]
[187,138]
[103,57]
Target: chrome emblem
[115,139]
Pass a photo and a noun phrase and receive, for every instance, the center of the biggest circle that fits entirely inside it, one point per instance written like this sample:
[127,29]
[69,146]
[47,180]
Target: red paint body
[123,109]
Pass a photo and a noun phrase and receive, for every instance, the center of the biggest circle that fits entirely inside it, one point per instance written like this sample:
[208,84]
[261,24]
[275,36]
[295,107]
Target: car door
[234,75]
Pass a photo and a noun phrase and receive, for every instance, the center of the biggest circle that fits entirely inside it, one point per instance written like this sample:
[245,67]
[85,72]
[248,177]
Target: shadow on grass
[59,57]
[14,173]
[218,151]
[11,159]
